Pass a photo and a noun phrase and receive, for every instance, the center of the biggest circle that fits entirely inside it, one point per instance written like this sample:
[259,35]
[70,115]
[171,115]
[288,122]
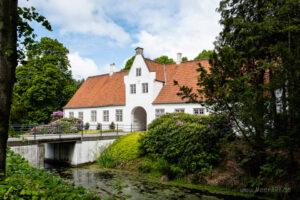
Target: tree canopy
[205,54]
[164,60]
[44,83]
[129,63]
[16,33]
[254,78]
[184,59]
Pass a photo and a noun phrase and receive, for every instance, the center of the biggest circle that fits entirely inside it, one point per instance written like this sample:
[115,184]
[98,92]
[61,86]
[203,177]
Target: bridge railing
[33,130]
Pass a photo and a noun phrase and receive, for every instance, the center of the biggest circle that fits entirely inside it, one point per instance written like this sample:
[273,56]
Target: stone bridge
[72,149]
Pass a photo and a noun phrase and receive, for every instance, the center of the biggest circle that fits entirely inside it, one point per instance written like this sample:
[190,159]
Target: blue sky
[100,32]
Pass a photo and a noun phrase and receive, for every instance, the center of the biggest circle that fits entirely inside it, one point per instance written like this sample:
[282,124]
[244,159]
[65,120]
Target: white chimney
[139,51]
[112,68]
[179,58]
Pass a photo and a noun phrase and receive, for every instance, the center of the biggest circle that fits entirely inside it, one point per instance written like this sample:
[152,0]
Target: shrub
[188,141]
[112,126]
[25,182]
[125,148]
[99,126]
[87,126]
[63,125]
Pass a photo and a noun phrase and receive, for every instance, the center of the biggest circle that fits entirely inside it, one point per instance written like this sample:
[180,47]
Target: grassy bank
[125,154]
[26,182]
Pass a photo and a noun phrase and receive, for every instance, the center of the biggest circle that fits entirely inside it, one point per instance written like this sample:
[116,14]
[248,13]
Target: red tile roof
[184,73]
[102,90]
[105,90]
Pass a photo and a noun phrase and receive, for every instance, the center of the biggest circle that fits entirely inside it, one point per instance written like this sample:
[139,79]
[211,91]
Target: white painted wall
[76,153]
[139,99]
[34,154]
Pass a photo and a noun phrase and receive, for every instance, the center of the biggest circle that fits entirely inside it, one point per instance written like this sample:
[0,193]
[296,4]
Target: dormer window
[138,71]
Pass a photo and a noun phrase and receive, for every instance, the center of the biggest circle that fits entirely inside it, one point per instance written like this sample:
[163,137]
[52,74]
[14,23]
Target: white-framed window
[132,88]
[145,87]
[71,114]
[93,115]
[159,112]
[80,115]
[138,71]
[119,115]
[198,111]
[179,110]
[105,115]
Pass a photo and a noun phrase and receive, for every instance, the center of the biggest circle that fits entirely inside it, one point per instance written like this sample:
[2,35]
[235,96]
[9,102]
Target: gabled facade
[134,98]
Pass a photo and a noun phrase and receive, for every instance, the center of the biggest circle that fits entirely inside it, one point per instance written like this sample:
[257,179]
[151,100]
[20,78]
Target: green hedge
[122,150]
[189,141]
[26,182]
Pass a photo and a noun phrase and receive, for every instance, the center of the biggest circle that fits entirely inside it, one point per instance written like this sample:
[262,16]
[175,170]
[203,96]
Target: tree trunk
[8,63]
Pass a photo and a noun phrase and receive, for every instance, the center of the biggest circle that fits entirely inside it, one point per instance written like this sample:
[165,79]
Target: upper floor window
[132,88]
[80,115]
[119,115]
[105,115]
[93,115]
[71,114]
[159,112]
[179,110]
[138,71]
[145,87]
[198,111]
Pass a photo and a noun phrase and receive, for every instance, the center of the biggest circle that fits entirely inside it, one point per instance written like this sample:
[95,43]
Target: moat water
[113,184]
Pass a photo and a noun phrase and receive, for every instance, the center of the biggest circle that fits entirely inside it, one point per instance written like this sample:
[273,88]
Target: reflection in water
[123,185]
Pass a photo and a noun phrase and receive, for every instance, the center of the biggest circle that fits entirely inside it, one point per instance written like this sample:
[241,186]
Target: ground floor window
[119,115]
[179,110]
[159,112]
[71,114]
[198,111]
[93,115]
[105,115]
[80,115]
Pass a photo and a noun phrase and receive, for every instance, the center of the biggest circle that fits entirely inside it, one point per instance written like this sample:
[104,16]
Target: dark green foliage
[164,60]
[129,63]
[254,78]
[26,35]
[99,126]
[44,83]
[112,126]
[184,59]
[189,141]
[26,182]
[205,54]
[86,126]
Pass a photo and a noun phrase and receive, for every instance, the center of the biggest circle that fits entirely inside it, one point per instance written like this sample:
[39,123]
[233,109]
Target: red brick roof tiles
[102,90]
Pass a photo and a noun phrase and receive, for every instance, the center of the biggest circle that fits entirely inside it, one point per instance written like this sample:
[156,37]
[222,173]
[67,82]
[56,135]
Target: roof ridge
[106,74]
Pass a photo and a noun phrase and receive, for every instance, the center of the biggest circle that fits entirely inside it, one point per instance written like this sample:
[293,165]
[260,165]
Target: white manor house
[136,97]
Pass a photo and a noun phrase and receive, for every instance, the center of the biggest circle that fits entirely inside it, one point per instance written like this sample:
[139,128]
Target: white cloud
[82,67]
[191,30]
[81,16]
[160,27]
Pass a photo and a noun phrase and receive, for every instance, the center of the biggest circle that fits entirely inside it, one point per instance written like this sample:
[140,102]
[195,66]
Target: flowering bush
[57,114]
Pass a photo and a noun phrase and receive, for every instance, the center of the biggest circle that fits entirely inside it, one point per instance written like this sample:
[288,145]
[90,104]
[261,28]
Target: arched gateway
[139,119]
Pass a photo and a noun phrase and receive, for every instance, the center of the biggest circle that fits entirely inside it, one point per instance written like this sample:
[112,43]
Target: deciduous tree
[14,24]
[8,63]
[205,54]
[164,60]
[44,82]
[255,73]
